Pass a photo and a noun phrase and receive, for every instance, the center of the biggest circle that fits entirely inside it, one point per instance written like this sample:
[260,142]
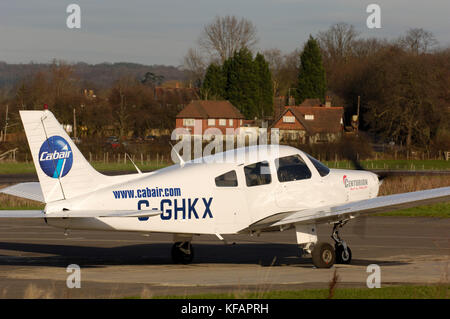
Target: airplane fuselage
[192,201]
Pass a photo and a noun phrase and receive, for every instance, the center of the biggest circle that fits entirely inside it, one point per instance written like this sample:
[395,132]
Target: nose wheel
[182,252]
[343,256]
[343,252]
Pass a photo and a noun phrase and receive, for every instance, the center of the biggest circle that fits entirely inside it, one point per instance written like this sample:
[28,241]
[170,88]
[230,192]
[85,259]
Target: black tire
[323,255]
[179,256]
[341,256]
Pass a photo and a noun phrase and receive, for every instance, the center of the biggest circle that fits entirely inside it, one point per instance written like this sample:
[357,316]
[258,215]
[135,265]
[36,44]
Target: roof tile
[210,109]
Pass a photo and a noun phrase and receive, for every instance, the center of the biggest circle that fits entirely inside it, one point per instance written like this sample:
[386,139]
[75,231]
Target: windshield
[321,168]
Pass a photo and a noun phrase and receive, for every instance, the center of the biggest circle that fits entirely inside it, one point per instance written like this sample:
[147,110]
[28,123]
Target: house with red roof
[201,115]
[310,122]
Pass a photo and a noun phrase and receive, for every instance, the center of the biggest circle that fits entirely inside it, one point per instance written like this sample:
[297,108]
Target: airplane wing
[78,213]
[30,190]
[330,214]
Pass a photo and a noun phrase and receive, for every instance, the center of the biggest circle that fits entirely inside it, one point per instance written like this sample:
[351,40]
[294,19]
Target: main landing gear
[323,254]
[182,250]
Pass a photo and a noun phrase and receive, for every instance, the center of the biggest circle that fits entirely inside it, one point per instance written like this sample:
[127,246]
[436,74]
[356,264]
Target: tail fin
[62,170]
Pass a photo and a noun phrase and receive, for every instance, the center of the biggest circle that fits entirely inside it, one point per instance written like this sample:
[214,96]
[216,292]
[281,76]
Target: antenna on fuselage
[182,162]
[137,168]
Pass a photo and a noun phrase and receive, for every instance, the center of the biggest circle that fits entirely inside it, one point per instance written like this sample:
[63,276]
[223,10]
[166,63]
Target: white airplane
[265,188]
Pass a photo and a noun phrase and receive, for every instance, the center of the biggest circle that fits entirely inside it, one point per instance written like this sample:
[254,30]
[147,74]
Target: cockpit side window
[229,179]
[292,168]
[257,174]
[321,168]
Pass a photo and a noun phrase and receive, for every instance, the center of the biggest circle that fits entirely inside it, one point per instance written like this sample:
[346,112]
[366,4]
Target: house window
[188,122]
[288,119]
[309,117]
[223,122]
[211,122]
[230,122]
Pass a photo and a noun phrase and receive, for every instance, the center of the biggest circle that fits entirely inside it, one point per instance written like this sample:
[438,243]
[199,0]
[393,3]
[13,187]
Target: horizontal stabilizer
[22,214]
[30,190]
[103,213]
[78,213]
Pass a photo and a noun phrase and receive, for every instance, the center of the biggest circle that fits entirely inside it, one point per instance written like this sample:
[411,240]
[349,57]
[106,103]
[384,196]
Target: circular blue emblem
[55,157]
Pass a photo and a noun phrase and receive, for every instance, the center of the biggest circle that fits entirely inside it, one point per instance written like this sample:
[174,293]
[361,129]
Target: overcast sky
[161,31]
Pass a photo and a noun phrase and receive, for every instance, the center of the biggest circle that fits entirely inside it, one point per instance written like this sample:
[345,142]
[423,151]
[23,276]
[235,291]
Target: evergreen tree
[311,77]
[242,82]
[264,101]
[213,87]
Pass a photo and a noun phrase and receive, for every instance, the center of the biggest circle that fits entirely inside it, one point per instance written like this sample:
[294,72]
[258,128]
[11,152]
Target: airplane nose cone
[379,179]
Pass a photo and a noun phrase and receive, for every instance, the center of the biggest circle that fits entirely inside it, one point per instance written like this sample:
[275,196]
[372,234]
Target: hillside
[97,75]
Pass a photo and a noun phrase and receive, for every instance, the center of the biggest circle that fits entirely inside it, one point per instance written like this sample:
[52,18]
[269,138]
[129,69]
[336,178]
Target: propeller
[360,224]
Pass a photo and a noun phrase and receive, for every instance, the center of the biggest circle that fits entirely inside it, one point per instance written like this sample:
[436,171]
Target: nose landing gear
[343,252]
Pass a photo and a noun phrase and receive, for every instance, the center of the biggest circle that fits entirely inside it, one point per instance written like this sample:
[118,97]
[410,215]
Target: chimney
[291,101]
[327,101]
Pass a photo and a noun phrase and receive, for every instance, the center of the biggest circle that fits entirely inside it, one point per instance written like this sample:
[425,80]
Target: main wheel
[323,255]
[182,253]
[341,256]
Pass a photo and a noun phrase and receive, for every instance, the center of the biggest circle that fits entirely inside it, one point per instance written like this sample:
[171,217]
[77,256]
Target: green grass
[394,292]
[394,164]
[145,166]
[440,210]
[23,207]
[20,168]
[16,168]
[23,168]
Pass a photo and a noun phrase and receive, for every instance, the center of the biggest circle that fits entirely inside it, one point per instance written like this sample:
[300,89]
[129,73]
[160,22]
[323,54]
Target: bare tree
[418,40]
[225,35]
[195,66]
[363,48]
[336,43]
[275,59]
[284,69]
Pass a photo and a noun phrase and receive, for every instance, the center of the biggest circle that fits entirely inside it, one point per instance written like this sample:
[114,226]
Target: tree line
[402,84]
[130,106]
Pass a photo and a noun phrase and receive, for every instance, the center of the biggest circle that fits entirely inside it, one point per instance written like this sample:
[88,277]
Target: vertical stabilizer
[62,170]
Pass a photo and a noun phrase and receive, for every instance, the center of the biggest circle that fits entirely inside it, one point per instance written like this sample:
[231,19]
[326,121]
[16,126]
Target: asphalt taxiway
[34,257]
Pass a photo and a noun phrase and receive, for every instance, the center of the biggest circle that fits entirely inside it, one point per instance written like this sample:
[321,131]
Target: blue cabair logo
[55,157]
